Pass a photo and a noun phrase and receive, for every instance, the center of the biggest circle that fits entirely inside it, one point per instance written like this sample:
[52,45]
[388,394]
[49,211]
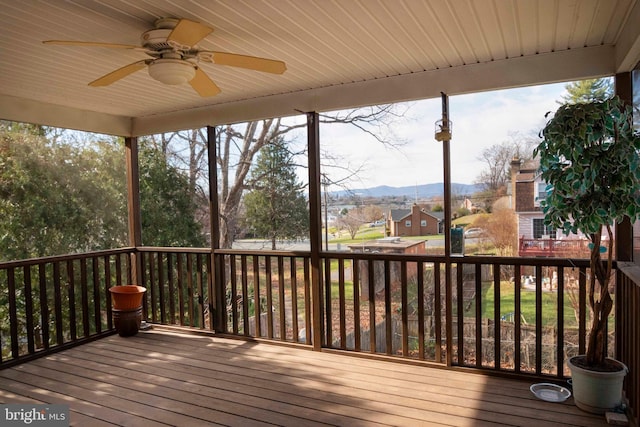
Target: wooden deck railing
[513,316]
[267,295]
[530,312]
[48,304]
[525,311]
[178,282]
[566,248]
[628,330]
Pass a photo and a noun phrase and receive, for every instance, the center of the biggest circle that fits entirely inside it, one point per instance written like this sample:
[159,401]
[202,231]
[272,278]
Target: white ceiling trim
[28,111]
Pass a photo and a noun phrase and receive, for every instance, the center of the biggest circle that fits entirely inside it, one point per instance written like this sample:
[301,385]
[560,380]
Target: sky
[480,120]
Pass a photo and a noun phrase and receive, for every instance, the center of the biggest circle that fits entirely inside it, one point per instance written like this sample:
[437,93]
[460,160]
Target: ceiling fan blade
[91,44]
[250,62]
[202,84]
[118,74]
[188,33]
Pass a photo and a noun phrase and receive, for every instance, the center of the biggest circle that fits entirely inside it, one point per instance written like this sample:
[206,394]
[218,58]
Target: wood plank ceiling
[339,54]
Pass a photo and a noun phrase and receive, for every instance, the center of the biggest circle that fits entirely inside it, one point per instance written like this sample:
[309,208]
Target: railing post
[315,225]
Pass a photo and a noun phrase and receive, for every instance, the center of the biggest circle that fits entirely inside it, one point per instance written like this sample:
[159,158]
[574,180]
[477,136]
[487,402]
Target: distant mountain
[423,191]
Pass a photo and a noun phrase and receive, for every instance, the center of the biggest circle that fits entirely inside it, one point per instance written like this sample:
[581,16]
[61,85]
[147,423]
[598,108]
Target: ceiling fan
[175,57]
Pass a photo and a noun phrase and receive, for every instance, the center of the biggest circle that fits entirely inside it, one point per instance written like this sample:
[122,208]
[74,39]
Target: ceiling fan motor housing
[156,39]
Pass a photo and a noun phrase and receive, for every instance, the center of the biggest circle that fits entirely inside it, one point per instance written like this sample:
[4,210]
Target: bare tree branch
[237,147]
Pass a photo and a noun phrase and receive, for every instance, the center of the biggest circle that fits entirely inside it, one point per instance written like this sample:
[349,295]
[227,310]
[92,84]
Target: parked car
[474,232]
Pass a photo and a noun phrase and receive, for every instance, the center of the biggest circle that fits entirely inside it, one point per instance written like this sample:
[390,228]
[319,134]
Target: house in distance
[536,238]
[416,221]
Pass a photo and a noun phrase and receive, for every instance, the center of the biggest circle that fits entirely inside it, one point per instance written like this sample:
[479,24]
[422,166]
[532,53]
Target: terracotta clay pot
[128,297]
[126,310]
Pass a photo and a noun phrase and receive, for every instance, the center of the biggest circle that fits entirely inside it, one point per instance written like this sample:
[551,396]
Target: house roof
[339,54]
[385,244]
[400,214]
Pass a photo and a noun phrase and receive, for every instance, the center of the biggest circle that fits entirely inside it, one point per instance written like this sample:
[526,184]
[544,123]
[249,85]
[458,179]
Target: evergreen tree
[167,209]
[582,91]
[276,208]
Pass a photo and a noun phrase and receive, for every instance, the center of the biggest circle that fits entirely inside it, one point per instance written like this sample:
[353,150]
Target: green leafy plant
[589,159]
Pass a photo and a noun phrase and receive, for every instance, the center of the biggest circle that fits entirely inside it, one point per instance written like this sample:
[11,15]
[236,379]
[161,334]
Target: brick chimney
[515,168]
[415,220]
[516,163]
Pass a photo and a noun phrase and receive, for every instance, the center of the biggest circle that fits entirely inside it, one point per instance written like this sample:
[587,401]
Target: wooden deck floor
[162,377]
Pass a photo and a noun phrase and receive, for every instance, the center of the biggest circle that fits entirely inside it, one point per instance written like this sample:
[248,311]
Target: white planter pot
[597,392]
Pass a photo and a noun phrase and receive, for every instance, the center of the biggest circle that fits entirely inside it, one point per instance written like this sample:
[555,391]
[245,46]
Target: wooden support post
[315,226]
[444,134]
[216,295]
[135,218]
[624,230]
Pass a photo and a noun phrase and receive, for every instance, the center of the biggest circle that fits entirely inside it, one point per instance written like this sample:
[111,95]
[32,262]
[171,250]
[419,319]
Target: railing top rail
[473,259]
[258,252]
[173,249]
[631,270]
[66,257]
[468,259]
[540,239]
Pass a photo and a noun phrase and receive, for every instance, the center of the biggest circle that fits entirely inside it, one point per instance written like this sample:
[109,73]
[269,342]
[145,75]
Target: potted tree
[589,160]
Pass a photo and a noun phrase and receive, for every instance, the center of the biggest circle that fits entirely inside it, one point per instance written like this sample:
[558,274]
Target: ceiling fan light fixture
[172,71]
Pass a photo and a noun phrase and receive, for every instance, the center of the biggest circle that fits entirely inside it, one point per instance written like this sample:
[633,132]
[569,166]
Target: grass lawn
[527,305]
[364,233]
[372,233]
[348,284]
[465,220]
